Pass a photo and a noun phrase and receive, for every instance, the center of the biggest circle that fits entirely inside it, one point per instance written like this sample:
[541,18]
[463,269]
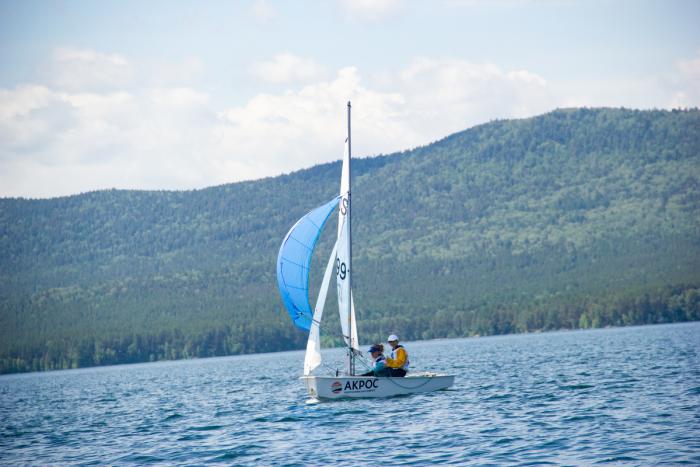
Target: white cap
[392,338]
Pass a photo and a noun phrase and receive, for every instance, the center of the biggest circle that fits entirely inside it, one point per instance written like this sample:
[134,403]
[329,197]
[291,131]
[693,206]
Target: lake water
[628,395]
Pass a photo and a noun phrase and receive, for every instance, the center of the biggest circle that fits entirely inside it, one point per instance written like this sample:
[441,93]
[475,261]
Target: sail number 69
[340,269]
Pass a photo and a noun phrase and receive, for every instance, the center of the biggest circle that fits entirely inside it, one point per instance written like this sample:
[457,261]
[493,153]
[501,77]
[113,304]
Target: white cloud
[448,95]
[170,99]
[87,70]
[295,129]
[180,73]
[371,10]
[275,133]
[686,83]
[31,118]
[56,143]
[288,68]
[167,135]
[673,88]
[177,137]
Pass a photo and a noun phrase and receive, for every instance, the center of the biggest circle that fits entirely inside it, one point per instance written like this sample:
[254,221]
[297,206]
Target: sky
[184,95]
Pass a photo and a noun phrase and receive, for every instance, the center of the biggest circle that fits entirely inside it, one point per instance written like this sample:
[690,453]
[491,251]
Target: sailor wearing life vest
[379,367]
[398,360]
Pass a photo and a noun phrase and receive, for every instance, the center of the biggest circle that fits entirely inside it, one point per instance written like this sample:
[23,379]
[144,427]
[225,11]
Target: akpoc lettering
[361,384]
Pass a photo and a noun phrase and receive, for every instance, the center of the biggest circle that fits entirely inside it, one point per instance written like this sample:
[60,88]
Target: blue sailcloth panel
[294,260]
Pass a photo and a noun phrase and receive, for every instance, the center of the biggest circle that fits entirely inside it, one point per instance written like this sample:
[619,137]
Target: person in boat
[398,361]
[379,367]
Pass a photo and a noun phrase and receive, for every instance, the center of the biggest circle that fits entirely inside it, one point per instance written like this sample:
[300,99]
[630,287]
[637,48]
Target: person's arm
[399,360]
[380,369]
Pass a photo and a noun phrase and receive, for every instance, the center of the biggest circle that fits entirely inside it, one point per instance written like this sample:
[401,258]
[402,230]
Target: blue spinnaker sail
[294,260]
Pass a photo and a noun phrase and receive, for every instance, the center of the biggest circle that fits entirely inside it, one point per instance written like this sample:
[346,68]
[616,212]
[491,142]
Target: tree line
[576,218]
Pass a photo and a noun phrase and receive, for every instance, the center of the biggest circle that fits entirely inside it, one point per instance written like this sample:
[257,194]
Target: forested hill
[577,218]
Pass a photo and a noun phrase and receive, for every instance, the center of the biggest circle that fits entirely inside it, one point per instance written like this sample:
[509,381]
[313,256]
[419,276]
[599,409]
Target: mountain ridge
[568,219]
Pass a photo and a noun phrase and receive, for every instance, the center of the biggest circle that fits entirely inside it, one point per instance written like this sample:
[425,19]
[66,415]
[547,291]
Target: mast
[351,353]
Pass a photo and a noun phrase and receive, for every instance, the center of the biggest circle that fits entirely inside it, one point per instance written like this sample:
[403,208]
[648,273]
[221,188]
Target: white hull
[332,387]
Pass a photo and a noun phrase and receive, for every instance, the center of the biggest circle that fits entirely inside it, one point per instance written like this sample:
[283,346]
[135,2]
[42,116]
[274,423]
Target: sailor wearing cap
[398,361]
[378,361]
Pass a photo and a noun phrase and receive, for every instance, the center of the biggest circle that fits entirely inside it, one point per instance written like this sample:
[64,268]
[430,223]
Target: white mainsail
[345,305]
[343,262]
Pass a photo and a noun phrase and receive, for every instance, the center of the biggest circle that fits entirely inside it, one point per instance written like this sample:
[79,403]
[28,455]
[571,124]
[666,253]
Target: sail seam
[294,263]
[300,242]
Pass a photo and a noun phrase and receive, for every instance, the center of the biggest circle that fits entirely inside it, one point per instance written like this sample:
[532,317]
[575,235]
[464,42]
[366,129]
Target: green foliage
[577,218]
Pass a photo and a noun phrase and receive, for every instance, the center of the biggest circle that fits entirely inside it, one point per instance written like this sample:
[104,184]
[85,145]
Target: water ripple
[614,396]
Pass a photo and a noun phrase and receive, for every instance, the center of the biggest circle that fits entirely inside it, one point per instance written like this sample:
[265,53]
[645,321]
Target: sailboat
[293,265]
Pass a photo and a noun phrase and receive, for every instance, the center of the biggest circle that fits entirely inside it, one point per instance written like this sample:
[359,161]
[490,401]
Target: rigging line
[364,363]
[323,325]
[328,367]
